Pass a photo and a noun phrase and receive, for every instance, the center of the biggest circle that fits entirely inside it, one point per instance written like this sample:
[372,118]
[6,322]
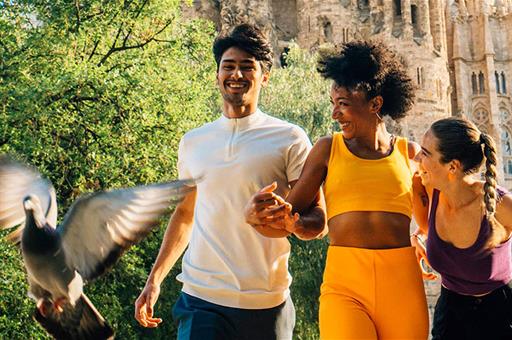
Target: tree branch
[96,43]
[141,45]
[139,10]
[112,48]
[77,6]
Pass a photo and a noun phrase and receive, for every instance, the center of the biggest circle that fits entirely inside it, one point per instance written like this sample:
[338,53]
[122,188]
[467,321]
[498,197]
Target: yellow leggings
[372,294]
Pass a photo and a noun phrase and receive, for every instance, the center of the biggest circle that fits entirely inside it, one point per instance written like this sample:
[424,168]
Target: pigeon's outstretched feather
[16,183]
[94,233]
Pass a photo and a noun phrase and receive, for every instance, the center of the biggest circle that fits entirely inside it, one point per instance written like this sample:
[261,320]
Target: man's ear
[265,78]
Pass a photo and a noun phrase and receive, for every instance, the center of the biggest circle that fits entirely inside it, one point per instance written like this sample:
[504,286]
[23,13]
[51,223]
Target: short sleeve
[297,154]
[183,171]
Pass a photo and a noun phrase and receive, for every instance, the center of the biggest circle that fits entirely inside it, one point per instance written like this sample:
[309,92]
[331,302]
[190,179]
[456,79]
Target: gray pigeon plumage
[94,233]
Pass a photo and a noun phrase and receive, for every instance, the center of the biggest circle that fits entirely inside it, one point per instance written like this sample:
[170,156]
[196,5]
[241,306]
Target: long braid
[490,195]
[490,174]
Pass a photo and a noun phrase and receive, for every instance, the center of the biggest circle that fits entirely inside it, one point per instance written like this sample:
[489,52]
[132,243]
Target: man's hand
[144,306]
[267,210]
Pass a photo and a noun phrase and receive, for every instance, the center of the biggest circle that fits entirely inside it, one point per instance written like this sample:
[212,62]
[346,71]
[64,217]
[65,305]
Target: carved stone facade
[457,51]
[480,36]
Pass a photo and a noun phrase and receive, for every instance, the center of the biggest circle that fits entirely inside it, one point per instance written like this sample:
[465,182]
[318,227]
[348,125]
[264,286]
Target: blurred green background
[97,95]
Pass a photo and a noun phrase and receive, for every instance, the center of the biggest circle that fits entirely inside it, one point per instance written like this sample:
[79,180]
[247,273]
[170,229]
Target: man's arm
[176,238]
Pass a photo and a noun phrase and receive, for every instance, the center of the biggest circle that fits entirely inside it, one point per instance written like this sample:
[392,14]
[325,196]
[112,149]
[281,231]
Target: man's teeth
[236,86]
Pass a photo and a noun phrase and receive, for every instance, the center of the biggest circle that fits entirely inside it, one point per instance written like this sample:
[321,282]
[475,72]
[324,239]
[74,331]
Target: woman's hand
[421,256]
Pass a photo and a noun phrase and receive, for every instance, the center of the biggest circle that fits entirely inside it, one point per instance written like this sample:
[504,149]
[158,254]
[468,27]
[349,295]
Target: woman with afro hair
[372,286]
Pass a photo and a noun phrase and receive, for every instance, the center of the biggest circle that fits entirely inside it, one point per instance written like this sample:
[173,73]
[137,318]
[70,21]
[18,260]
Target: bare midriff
[369,229]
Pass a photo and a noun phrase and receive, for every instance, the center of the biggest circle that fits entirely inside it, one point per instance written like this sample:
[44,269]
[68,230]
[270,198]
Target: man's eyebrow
[244,61]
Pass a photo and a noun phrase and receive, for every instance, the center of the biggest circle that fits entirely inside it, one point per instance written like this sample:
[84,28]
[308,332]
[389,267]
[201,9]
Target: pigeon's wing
[99,227]
[17,181]
[81,321]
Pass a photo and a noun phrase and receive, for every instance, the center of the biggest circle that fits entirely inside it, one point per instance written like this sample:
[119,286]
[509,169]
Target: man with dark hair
[235,276]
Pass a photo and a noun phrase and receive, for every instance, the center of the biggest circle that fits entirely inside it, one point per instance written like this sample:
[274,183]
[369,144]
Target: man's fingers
[263,196]
[140,315]
[149,311]
[282,206]
[262,205]
[139,306]
[145,318]
[267,193]
[269,188]
[153,322]
[278,209]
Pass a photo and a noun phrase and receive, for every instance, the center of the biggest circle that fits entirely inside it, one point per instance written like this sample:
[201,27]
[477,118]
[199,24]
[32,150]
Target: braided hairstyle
[490,174]
[460,139]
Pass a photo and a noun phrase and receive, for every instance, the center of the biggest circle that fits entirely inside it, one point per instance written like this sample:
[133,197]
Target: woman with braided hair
[469,227]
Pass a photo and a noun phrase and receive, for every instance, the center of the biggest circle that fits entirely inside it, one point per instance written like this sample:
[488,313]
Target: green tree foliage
[297,93]
[97,95]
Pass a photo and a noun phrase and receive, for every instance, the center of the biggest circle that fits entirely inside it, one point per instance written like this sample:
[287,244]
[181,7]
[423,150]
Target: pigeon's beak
[33,207]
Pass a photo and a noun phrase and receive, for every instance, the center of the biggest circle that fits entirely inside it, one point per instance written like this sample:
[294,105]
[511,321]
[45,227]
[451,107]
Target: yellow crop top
[357,184]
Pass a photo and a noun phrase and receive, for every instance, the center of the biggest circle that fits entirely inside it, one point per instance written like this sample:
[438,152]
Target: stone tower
[456,50]
[479,35]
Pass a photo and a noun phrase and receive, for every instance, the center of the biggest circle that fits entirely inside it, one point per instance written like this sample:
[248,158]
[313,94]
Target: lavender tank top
[470,271]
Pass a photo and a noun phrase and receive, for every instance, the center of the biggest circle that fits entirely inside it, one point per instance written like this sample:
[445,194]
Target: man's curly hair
[248,38]
[370,67]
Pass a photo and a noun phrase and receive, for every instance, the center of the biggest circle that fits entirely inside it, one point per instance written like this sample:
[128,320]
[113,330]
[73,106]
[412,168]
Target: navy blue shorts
[201,320]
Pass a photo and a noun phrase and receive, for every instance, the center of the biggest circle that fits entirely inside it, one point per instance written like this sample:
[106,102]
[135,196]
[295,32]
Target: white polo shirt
[227,261]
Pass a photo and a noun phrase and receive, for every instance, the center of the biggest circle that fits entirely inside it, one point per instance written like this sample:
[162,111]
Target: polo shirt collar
[244,122]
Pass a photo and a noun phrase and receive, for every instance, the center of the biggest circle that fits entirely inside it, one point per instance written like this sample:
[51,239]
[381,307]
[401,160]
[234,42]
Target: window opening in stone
[506,150]
[497,78]
[328,31]
[397,6]
[474,84]
[481,84]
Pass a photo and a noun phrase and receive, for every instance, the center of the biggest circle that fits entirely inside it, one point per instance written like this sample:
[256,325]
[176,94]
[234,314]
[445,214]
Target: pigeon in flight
[94,233]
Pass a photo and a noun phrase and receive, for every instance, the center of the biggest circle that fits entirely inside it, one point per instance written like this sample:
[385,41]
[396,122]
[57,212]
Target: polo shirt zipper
[231,144]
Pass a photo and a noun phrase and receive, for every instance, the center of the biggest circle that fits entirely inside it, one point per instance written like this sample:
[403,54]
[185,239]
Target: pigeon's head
[32,207]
